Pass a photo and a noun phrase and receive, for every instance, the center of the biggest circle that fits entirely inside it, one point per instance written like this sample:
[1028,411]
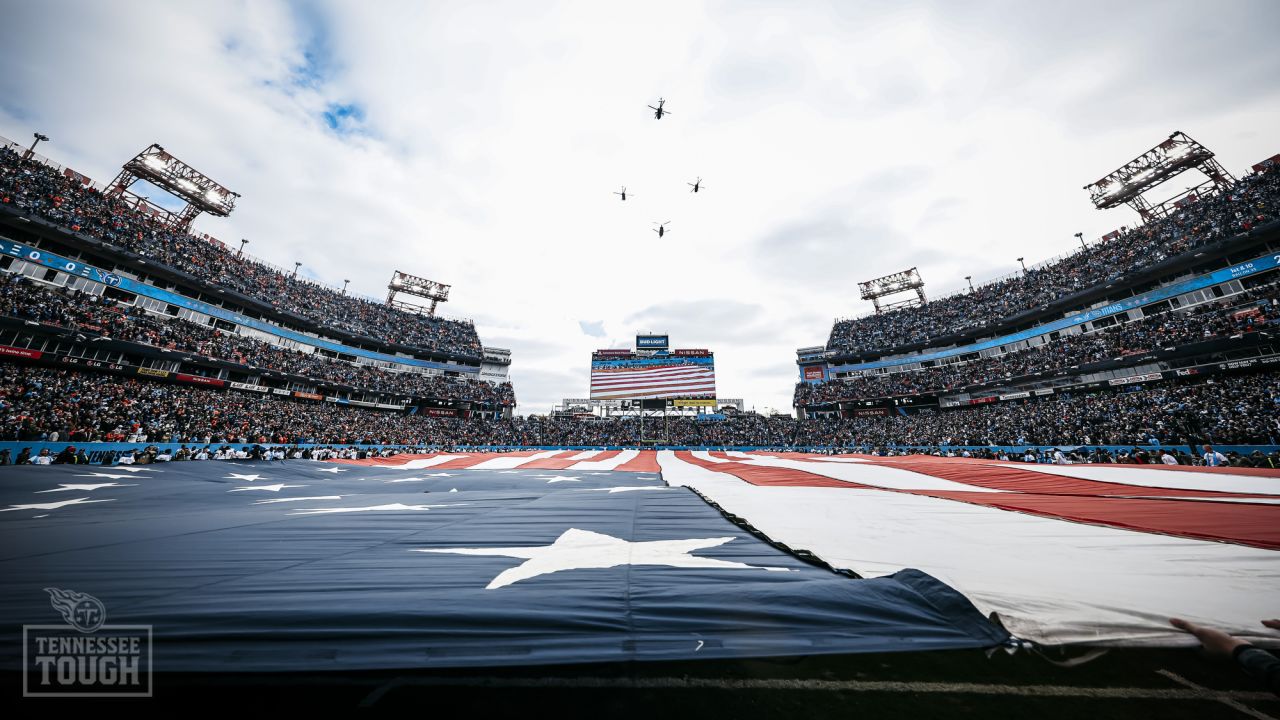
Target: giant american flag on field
[668,376]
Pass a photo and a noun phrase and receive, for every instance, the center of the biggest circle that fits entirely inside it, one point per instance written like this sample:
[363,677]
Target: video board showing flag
[666,376]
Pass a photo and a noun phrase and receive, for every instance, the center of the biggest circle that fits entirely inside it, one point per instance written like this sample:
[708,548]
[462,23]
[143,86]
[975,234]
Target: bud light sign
[652,342]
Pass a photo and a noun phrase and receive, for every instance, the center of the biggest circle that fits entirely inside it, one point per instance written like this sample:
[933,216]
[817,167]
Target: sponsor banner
[691,353]
[307,395]
[1146,377]
[652,342]
[50,260]
[153,372]
[694,402]
[200,380]
[441,412]
[1015,396]
[982,400]
[814,372]
[67,359]
[20,352]
[1251,362]
[1045,391]
[249,386]
[1185,372]
[345,401]
[870,412]
[613,353]
[950,402]
[279,391]
[388,406]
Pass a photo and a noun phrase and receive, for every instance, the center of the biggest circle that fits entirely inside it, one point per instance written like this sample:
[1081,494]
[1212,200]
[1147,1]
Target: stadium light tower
[899,282]
[1080,237]
[40,137]
[402,282]
[296,265]
[970,279]
[243,242]
[344,286]
[171,174]
[1154,167]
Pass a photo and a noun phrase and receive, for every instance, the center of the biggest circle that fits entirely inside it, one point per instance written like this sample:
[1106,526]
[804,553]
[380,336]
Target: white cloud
[482,144]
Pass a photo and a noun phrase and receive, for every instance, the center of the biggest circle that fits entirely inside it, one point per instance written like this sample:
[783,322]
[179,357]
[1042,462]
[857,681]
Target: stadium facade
[77,242]
[1189,296]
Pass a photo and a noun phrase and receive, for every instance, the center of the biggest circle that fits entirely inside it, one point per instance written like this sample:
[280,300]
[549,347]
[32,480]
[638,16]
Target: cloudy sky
[479,144]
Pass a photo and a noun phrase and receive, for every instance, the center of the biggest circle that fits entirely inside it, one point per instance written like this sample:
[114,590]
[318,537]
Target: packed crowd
[54,405]
[1234,410]
[1232,316]
[38,189]
[1253,201]
[97,315]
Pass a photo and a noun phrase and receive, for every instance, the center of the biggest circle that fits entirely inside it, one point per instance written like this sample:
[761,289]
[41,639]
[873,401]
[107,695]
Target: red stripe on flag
[646,461]
[1009,479]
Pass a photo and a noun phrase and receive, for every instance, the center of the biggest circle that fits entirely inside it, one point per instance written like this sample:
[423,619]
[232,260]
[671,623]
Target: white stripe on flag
[1051,581]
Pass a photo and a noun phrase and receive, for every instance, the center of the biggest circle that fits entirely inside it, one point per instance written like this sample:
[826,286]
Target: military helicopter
[697,185]
[623,194]
[658,112]
[662,228]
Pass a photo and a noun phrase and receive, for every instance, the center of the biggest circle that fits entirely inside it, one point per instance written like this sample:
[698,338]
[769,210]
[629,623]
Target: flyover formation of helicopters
[660,112]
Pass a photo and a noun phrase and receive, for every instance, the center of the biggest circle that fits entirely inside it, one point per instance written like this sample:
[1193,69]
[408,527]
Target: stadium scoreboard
[682,378]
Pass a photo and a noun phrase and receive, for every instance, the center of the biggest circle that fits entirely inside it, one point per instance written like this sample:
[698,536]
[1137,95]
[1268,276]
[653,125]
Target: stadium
[232,482]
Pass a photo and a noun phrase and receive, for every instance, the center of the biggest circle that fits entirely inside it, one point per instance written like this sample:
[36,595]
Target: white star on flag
[238,476]
[109,476]
[54,505]
[269,488]
[63,487]
[334,470]
[129,469]
[576,549]
[628,488]
[372,508]
[560,478]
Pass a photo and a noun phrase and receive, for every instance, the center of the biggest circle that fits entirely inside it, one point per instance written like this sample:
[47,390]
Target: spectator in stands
[1212,458]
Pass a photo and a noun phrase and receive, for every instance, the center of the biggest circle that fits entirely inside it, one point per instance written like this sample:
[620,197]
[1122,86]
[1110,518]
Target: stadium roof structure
[167,172]
[1176,155]
[403,282]
[899,282]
